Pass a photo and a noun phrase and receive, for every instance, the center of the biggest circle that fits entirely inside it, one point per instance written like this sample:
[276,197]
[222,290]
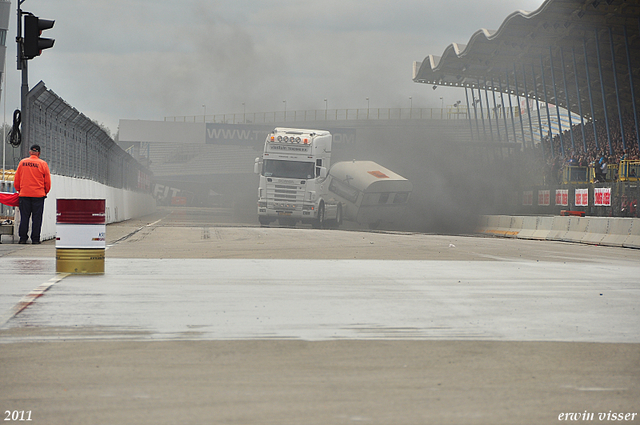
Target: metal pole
[475,112]
[495,111]
[524,74]
[593,114]
[513,123]
[486,95]
[466,94]
[615,82]
[484,129]
[575,73]
[555,94]
[535,90]
[4,133]
[546,101]
[633,97]
[24,107]
[19,36]
[504,110]
[604,99]
[566,95]
[515,77]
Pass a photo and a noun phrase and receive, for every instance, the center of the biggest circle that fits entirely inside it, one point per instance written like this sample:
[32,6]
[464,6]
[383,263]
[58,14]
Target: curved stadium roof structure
[572,53]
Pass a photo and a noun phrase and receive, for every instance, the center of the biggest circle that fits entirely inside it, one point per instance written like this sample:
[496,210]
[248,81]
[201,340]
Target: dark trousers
[31,208]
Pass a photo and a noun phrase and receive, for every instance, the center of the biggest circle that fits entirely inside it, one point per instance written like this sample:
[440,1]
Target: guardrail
[629,171]
[625,171]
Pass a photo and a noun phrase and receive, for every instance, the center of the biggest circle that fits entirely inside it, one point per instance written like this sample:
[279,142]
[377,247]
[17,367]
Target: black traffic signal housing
[33,44]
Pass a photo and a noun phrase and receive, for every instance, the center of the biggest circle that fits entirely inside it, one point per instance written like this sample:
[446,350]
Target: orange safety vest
[32,178]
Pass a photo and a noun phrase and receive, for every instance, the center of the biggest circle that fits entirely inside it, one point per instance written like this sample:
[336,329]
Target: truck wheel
[319,223]
[264,221]
[335,223]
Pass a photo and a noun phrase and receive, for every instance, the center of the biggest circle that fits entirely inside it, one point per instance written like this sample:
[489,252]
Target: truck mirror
[323,172]
[256,166]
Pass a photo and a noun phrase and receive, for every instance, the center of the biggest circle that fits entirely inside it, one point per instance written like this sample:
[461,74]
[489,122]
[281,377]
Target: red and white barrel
[80,235]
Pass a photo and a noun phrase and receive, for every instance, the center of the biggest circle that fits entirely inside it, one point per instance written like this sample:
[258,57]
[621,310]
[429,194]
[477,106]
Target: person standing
[33,182]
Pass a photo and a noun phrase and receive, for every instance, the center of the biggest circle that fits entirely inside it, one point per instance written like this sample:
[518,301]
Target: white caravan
[368,192]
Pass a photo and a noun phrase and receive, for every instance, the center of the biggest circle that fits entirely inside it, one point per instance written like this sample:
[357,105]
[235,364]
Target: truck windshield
[288,169]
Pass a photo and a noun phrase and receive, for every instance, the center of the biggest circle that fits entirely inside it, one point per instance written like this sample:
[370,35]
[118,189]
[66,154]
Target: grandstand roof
[552,37]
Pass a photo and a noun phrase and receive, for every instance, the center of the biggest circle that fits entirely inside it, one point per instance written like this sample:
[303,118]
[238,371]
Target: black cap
[35,148]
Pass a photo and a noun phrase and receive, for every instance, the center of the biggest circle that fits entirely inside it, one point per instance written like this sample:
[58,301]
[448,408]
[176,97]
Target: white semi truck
[293,179]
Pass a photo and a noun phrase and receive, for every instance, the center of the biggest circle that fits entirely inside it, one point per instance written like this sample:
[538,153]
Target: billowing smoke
[454,181]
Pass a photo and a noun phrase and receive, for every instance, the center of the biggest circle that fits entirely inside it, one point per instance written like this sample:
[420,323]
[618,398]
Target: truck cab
[293,178]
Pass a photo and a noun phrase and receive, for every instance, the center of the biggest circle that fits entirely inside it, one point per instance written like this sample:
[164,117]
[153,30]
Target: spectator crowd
[598,152]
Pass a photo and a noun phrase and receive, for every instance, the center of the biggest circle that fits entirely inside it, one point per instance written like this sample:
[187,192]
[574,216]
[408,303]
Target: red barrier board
[81,211]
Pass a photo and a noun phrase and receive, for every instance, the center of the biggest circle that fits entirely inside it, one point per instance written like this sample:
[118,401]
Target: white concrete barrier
[577,229]
[498,225]
[621,232]
[559,228]
[529,226]
[121,204]
[483,223]
[543,227]
[633,240]
[597,228]
[516,226]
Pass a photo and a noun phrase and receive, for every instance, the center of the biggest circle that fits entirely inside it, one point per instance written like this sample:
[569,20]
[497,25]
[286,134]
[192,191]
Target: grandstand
[584,57]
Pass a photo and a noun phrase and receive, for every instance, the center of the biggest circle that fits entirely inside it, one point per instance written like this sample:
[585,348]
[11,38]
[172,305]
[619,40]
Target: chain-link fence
[75,146]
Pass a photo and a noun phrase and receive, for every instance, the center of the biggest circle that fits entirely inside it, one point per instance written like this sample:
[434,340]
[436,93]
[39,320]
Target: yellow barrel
[80,261]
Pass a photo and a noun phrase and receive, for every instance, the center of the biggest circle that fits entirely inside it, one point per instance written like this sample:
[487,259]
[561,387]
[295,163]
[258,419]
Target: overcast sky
[148,59]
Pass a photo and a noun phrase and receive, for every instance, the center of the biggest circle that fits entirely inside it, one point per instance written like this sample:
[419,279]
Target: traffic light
[33,43]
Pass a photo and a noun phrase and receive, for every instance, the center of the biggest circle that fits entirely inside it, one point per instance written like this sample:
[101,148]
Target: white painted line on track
[31,297]
[133,233]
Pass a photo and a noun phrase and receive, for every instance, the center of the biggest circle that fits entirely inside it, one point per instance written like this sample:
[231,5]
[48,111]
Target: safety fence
[618,199]
[75,146]
[625,171]
[620,232]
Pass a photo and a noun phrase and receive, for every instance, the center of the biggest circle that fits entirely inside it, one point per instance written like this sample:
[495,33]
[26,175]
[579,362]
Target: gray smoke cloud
[147,59]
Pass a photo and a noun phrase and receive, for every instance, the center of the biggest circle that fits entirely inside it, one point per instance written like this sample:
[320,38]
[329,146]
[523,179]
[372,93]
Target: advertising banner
[255,134]
[582,198]
[544,197]
[562,197]
[602,197]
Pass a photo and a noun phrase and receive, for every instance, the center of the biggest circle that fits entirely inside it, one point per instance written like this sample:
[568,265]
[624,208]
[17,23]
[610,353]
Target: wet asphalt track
[202,317]
[574,293]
